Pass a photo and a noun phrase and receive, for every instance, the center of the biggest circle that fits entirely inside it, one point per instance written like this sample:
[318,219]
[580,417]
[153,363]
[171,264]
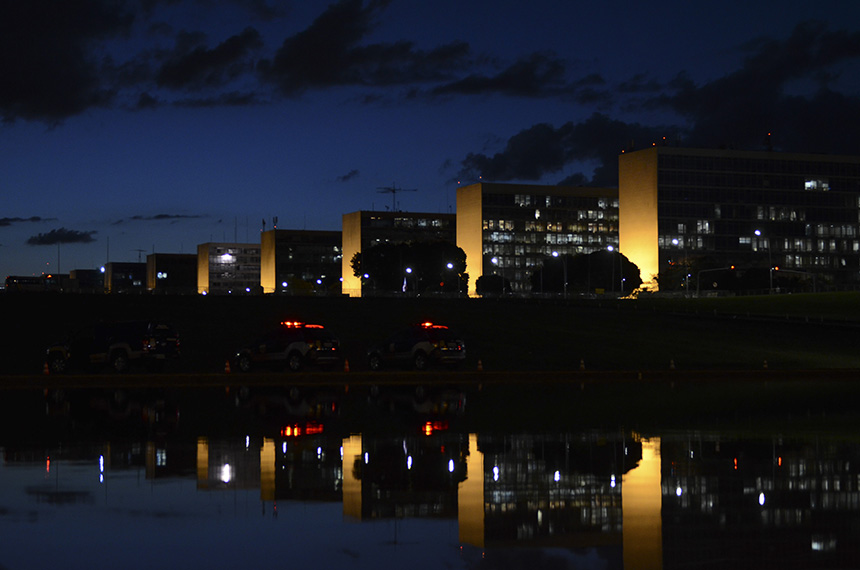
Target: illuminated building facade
[798,212]
[228,268]
[365,229]
[510,229]
[300,261]
[171,273]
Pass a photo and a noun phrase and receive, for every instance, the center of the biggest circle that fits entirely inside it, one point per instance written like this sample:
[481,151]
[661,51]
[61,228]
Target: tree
[412,267]
[586,272]
[492,285]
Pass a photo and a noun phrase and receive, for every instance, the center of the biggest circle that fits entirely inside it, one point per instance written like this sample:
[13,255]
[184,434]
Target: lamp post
[676,242]
[758,233]
[564,266]
[450,266]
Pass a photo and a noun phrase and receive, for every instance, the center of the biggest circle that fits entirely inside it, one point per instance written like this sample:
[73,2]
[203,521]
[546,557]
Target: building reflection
[676,501]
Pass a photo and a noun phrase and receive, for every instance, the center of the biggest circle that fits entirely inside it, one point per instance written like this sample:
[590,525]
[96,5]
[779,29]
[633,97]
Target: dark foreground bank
[501,335]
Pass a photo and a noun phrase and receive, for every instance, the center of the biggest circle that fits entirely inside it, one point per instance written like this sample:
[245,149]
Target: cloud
[537,75]
[10,221]
[61,235]
[739,108]
[158,218]
[348,176]
[329,53]
[542,150]
[195,67]
[48,68]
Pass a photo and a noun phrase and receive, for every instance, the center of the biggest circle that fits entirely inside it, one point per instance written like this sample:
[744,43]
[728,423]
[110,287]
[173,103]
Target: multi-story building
[798,212]
[365,229]
[300,261]
[510,229]
[125,277]
[228,268]
[171,273]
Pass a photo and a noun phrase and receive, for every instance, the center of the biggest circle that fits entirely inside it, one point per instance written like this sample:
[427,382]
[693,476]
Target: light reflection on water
[310,493]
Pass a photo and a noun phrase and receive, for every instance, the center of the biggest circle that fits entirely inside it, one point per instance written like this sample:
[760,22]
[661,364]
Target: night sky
[155,125]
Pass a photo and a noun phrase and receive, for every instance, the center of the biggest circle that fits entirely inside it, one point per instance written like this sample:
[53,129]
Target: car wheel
[374,362]
[243,363]
[420,361]
[119,361]
[56,364]
[295,362]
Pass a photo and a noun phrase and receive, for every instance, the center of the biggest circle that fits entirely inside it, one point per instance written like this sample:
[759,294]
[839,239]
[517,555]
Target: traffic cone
[227,367]
[346,365]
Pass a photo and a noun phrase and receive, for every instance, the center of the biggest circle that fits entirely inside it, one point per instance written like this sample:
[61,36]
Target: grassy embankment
[788,332]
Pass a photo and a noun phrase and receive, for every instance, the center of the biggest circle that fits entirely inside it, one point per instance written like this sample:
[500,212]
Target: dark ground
[503,334]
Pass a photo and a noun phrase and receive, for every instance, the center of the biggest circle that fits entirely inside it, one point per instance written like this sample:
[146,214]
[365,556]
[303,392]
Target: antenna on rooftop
[139,251]
[393,190]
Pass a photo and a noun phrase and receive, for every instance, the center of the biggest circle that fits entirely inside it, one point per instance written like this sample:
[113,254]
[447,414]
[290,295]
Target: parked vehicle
[293,345]
[118,345]
[419,347]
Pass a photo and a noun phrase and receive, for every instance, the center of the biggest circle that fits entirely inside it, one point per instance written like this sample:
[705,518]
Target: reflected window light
[284,448]
[341,452]
[226,473]
[612,481]
[247,441]
[409,462]
[319,452]
[495,473]
[678,491]
[761,499]
[556,476]
[366,457]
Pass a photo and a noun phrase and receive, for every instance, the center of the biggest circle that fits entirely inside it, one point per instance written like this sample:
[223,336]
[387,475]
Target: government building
[510,229]
[796,212]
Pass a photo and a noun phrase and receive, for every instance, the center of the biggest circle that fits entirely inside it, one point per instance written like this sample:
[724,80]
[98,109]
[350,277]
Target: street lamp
[676,242]
[564,265]
[450,266]
[758,233]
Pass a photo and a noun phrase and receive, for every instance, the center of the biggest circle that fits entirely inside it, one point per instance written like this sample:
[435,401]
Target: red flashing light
[432,426]
[299,325]
[311,428]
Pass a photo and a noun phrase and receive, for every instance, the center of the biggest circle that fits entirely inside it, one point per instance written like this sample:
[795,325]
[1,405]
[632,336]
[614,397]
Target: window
[817,185]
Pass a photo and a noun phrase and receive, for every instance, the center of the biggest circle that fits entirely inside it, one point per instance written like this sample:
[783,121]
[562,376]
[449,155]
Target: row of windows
[544,201]
[760,244]
[577,238]
[760,165]
[582,224]
[514,251]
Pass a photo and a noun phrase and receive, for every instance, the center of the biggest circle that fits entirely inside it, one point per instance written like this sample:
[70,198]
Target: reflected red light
[736,463]
[431,426]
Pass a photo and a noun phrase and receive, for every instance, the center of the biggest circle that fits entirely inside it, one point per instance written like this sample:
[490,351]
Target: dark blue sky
[156,125]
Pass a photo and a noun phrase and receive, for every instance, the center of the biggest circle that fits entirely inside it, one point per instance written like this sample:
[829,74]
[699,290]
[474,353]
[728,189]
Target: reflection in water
[422,493]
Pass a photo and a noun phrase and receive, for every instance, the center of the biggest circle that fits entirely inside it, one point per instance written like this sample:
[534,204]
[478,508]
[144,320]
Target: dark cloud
[231,99]
[329,53]
[538,75]
[348,176]
[47,67]
[10,221]
[193,66]
[61,235]
[739,108]
[542,150]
